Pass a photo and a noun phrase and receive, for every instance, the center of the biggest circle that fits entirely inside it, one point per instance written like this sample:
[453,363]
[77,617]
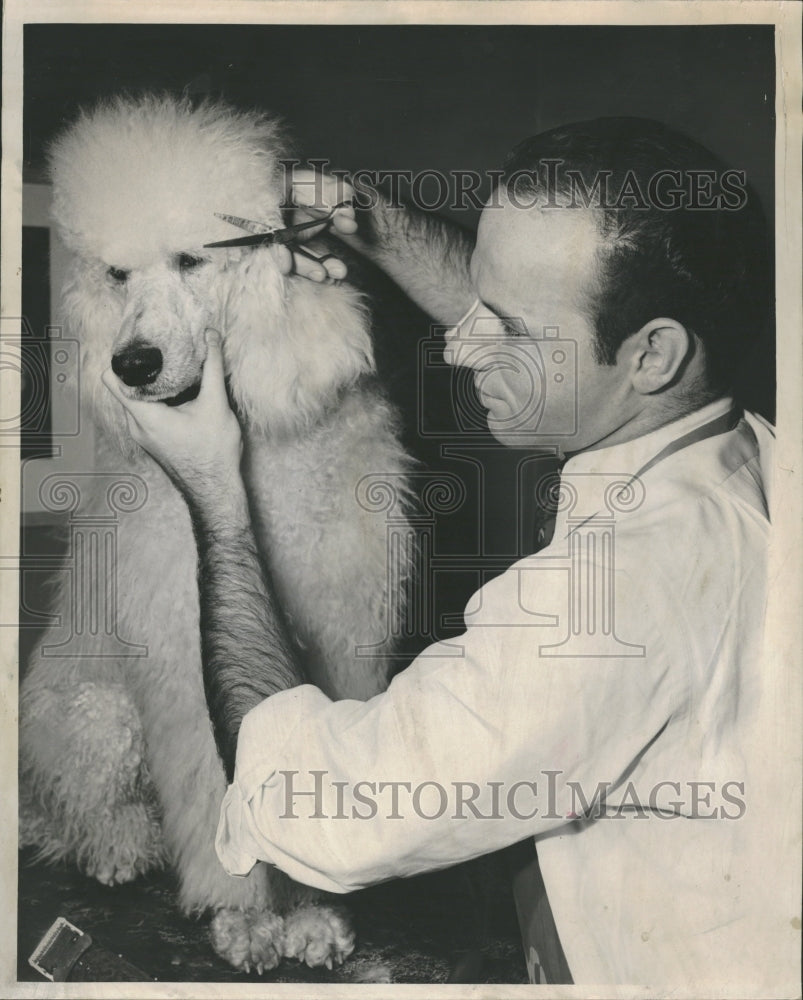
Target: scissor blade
[266,239]
[258,239]
[247,224]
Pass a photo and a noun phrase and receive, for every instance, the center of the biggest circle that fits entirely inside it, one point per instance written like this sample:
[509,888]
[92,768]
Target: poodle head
[136,185]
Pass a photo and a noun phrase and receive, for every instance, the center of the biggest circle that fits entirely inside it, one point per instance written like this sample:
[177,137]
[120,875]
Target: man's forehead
[544,250]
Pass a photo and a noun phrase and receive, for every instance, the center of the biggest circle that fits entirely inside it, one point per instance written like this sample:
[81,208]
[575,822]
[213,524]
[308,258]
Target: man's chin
[512,436]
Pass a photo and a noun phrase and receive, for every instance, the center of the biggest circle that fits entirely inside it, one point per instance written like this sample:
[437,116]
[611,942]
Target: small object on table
[67,954]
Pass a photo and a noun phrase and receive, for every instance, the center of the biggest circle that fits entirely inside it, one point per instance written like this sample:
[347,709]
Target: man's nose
[137,364]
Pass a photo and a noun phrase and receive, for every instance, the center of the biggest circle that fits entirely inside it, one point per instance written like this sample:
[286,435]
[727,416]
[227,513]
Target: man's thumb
[213,366]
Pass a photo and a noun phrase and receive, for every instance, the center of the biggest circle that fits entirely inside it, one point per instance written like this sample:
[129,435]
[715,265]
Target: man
[605,698]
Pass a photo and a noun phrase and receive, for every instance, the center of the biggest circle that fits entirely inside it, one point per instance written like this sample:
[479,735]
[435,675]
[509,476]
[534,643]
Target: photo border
[782,748]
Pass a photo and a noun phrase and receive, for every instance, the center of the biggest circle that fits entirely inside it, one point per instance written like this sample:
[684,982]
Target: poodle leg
[247,929]
[264,917]
[274,917]
[84,791]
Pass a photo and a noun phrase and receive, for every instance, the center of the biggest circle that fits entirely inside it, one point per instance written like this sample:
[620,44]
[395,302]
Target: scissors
[264,236]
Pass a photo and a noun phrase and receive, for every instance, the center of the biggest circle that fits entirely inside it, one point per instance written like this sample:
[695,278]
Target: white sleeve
[451,762]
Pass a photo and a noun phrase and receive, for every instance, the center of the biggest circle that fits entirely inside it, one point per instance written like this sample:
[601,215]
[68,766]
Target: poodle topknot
[133,179]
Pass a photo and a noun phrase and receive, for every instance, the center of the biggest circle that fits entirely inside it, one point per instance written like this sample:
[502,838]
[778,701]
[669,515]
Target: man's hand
[199,444]
[315,195]
[426,255]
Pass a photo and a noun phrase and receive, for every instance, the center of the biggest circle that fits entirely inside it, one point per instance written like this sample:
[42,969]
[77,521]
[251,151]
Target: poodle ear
[291,345]
[92,316]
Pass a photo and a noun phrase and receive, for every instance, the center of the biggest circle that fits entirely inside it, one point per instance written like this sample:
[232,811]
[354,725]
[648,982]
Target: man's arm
[426,255]
[245,646]
[246,649]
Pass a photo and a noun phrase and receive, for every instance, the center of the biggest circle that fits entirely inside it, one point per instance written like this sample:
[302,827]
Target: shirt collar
[630,456]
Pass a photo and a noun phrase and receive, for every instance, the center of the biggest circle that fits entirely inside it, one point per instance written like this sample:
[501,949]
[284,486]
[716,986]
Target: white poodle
[119,770]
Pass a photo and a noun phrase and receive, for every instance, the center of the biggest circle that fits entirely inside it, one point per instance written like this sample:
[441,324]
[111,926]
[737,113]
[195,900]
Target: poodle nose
[137,365]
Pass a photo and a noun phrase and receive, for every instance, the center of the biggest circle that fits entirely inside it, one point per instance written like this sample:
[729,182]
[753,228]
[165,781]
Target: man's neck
[662,412]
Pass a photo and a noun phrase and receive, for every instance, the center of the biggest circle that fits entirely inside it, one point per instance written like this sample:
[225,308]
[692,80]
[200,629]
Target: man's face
[528,340]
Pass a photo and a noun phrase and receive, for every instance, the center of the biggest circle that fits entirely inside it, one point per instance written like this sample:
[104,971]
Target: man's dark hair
[676,243]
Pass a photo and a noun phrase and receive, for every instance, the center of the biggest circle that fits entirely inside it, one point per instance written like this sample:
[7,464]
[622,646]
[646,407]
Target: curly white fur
[119,769]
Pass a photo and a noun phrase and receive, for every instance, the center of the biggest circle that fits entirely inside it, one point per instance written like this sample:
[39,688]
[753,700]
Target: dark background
[393,98]
[415,97]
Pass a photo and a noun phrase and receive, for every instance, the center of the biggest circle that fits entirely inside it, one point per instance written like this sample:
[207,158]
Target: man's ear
[657,353]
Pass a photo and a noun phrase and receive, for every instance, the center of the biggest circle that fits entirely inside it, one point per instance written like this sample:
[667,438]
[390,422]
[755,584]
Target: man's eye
[117,275]
[188,262]
[514,327]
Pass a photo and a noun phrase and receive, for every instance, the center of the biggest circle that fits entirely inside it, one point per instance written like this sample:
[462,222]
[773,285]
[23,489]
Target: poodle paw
[318,935]
[248,938]
[131,845]
[110,872]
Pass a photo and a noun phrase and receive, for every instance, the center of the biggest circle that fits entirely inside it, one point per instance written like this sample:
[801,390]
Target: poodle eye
[187,262]
[117,275]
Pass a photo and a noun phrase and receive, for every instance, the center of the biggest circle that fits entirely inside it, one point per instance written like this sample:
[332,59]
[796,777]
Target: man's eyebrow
[495,309]
[503,315]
